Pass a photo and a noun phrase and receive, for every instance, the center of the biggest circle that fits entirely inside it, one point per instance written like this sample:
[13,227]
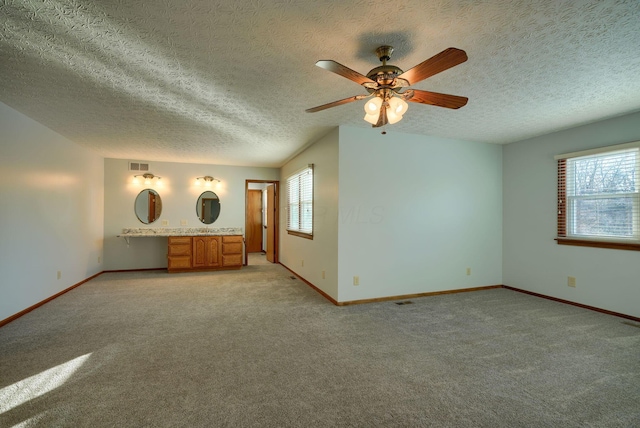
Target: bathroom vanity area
[196,249]
[189,249]
[191,253]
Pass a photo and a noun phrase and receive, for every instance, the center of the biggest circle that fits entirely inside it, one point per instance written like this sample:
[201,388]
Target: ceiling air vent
[138,166]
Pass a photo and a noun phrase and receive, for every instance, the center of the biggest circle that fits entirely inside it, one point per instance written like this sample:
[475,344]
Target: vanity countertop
[179,231]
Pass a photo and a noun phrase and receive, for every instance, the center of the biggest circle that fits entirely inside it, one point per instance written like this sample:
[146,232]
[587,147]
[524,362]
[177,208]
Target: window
[300,207]
[599,197]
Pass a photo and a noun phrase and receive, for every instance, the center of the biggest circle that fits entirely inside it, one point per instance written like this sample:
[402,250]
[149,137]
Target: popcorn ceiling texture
[227,82]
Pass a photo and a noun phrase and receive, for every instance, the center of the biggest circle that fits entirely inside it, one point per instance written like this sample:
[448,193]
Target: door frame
[276,209]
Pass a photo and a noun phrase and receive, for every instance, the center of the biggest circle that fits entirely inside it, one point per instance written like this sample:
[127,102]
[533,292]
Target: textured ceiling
[228,81]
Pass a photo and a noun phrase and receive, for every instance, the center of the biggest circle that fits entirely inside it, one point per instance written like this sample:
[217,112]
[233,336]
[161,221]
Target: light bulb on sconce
[207,180]
[148,179]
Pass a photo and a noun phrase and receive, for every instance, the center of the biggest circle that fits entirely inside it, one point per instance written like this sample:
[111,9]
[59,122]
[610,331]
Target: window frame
[307,171]
[564,219]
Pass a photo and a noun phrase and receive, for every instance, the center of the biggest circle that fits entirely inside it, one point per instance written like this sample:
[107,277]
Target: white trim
[632,145]
[298,171]
[302,180]
[628,152]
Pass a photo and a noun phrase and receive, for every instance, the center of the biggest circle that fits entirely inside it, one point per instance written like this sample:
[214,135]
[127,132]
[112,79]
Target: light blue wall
[51,212]
[415,212]
[309,258]
[607,279]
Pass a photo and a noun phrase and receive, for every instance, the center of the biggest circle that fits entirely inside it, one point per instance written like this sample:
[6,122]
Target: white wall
[320,253]
[179,195]
[51,213]
[415,212]
[605,278]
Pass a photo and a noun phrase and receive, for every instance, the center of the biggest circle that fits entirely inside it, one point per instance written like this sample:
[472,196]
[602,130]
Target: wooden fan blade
[436,99]
[443,61]
[336,103]
[343,71]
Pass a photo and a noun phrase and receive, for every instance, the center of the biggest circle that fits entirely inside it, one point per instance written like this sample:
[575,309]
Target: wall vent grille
[139,166]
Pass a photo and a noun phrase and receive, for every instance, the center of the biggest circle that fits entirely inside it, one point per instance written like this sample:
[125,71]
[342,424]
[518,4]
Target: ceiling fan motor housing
[384,74]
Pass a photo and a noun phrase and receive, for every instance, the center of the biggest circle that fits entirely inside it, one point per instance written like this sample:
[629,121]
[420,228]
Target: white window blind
[300,197]
[598,195]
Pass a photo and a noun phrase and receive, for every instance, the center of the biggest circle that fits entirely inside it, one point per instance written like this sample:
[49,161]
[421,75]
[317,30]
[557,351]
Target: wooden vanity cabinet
[179,254]
[197,253]
[206,252]
[231,251]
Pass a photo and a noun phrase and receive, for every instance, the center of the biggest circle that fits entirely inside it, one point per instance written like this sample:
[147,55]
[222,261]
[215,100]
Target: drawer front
[180,240]
[232,238]
[232,248]
[232,260]
[180,262]
[180,250]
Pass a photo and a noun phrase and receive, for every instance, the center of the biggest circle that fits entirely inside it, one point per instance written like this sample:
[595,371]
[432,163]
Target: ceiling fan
[388,85]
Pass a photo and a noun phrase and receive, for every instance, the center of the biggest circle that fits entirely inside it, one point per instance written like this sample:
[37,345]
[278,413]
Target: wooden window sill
[599,244]
[300,234]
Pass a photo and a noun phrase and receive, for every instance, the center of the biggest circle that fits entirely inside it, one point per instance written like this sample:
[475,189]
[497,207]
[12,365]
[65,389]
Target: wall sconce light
[147,178]
[207,180]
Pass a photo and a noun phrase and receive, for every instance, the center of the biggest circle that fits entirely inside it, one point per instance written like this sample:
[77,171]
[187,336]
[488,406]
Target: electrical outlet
[356,280]
[183,222]
[59,274]
[302,263]
[165,222]
[571,281]
[323,275]
[99,259]
[468,271]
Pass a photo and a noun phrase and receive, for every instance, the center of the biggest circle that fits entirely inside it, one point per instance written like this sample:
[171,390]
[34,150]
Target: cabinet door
[213,251]
[206,251]
[199,256]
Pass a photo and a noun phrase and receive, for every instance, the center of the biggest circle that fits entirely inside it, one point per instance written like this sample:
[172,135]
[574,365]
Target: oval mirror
[148,206]
[208,207]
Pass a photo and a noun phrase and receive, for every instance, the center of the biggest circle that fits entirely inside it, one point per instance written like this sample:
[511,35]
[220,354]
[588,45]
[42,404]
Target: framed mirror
[148,206]
[208,207]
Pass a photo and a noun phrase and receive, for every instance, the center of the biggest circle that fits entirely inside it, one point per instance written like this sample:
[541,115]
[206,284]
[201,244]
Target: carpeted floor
[257,259]
[255,348]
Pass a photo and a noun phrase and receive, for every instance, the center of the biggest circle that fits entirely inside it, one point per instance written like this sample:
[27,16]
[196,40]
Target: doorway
[261,221]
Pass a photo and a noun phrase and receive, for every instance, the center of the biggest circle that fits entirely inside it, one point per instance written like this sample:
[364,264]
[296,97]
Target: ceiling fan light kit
[387,86]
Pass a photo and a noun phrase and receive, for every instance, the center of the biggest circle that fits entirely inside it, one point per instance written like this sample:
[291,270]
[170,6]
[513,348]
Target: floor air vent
[292,277]
[406,302]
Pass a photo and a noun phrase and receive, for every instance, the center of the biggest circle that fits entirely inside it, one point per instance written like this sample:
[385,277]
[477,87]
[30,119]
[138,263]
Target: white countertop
[179,231]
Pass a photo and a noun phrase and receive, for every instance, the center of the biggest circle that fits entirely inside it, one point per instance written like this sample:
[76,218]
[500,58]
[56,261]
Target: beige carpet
[255,348]
[258,259]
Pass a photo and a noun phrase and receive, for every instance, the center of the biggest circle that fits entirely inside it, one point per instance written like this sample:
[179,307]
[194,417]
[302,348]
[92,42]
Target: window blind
[598,195]
[300,197]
